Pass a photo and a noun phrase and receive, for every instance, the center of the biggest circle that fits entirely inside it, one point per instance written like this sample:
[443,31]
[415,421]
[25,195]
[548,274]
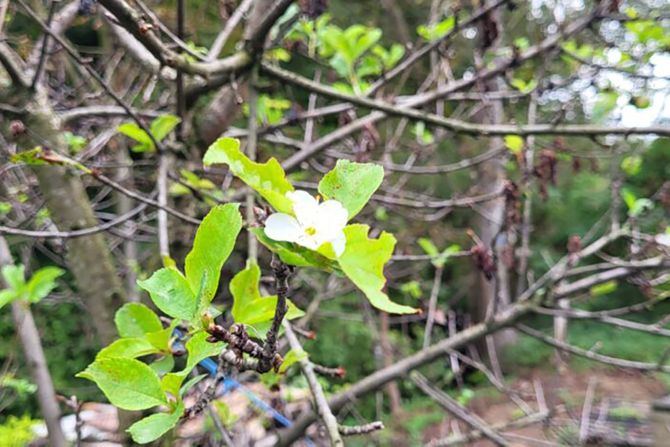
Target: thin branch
[74,233]
[455,125]
[327,416]
[476,434]
[45,46]
[360,429]
[614,361]
[619,322]
[453,407]
[229,27]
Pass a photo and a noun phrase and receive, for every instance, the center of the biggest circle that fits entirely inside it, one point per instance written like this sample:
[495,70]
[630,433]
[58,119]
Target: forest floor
[618,397]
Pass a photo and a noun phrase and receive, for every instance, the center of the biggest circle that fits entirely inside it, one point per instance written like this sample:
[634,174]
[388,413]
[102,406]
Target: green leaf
[268,179]
[191,383]
[293,254]
[629,198]
[248,305]
[214,241]
[14,276]
[198,349]
[163,125]
[363,263]
[153,427]
[292,357]
[127,383]
[162,339]
[42,283]
[75,142]
[631,165]
[438,30]
[163,365]
[428,247]
[352,184]
[6,296]
[171,293]
[128,348]
[132,130]
[514,143]
[604,288]
[135,320]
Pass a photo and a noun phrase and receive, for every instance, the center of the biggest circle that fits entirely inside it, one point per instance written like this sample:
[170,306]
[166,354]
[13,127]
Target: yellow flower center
[311,231]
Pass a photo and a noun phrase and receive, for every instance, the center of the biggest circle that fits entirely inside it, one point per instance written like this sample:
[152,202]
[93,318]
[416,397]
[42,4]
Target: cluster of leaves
[352,184]
[186,297]
[40,284]
[354,52]
[160,128]
[131,384]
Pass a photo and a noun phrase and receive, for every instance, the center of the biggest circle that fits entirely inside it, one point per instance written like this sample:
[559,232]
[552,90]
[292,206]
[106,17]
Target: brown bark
[89,257]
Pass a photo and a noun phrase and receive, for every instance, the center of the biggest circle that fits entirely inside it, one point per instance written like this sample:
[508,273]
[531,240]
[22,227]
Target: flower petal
[282,227]
[305,207]
[339,244]
[331,218]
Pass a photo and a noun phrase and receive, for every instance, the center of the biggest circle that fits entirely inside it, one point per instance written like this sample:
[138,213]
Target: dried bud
[313,8]
[483,260]
[16,127]
[145,27]
[512,203]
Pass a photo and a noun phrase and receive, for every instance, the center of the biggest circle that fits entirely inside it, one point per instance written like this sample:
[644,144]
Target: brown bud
[16,127]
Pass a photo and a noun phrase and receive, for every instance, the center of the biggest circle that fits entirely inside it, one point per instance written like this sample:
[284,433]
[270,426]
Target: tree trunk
[37,364]
[88,258]
[491,216]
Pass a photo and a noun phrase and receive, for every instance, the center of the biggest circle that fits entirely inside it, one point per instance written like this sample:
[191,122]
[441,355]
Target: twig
[228,29]
[432,304]
[45,46]
[614,361]
[476,434]
[586,411]
[360,429]
[162,219]
[453,407]
[281,272]
[74,233]
[251,150]
[327,416]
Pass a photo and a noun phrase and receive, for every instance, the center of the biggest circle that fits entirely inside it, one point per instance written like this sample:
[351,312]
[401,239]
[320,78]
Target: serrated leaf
[171,293]
[135,320]
[127,383]
[153,427]
[363,263]
[214,241]
[163,125]
[248,305]
[6,296]
[352,184]
[42,283]
[267,179]
[128,348]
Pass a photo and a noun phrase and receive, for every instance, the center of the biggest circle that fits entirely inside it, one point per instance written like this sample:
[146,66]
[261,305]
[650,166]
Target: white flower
[314,223]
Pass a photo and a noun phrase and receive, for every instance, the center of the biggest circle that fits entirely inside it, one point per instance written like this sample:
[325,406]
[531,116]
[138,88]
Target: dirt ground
[564,395]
